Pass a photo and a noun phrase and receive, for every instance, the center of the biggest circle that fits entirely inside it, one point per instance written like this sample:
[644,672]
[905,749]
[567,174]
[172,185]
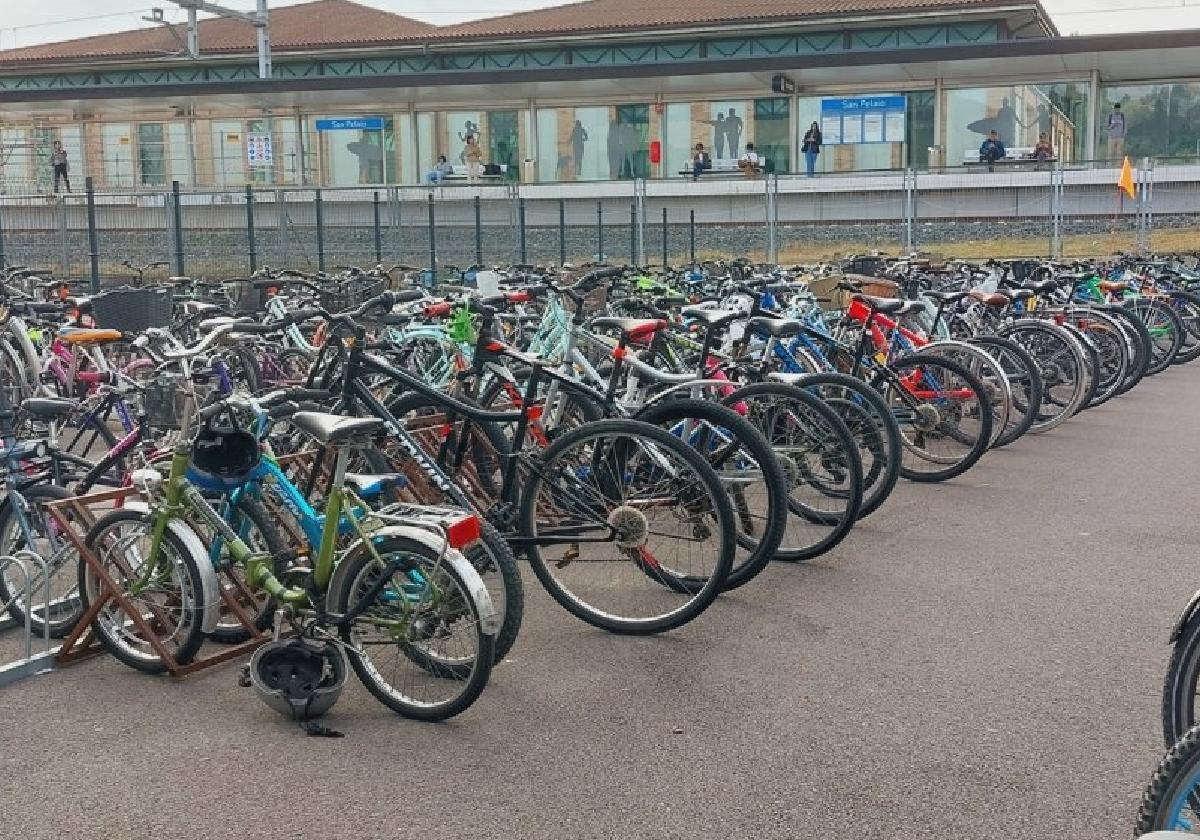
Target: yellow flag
[1125,182]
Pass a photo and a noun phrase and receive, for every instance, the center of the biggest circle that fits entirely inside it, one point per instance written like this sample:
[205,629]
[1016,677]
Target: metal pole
[3,259]
[562,231]
[64,257]
[640,190]
[599,231]
[177,223]
[320,212]
[692,236]
[664,238]
[478,231]
[378,228]
[432,244]
[521,228]
[250,239]
[93,239]
[633,234]
[770,220]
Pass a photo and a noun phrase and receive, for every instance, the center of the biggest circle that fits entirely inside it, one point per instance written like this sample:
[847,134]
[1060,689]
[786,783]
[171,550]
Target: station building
[598,90]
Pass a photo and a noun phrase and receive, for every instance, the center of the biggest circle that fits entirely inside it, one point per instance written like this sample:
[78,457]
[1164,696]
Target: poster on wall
[258,150]
[876,118]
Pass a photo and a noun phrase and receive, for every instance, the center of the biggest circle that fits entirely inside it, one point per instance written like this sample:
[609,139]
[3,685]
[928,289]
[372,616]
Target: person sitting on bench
[749,162]
[700,161]
[992,149]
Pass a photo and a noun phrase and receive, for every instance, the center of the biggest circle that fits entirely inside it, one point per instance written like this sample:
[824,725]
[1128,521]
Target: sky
[24,23]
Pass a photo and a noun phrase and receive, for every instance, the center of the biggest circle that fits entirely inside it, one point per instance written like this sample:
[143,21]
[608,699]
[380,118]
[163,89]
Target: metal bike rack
[29,663]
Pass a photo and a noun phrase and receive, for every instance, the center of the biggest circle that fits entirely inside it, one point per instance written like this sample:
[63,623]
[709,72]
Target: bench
[459,173]
[722,168]
[1017,157]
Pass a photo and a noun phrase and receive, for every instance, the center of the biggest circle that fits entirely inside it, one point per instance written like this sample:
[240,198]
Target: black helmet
[297,678]
[223,455]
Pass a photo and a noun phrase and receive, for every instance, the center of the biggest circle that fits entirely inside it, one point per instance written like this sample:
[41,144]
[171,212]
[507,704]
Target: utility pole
[259,19]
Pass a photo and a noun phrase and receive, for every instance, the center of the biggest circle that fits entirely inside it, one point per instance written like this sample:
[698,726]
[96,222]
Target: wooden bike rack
[75,516]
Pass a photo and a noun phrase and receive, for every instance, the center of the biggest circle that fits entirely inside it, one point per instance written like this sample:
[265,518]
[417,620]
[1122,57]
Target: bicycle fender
[209,585]
[434,542]
[1185,617]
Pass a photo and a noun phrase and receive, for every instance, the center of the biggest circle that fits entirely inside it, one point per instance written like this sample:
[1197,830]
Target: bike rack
[76,516]
[30,663]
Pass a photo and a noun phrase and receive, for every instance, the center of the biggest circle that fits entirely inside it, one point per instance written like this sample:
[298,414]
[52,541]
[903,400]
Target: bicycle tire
[1181,683]
[1172,788]
[1060,364]
[714,500]
[1025,384]
[751,440]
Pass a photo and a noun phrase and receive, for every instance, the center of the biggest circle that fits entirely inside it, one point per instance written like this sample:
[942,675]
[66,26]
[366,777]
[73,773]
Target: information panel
[351,124]
[877,118]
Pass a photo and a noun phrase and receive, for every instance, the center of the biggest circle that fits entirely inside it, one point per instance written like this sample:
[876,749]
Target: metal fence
[227,233]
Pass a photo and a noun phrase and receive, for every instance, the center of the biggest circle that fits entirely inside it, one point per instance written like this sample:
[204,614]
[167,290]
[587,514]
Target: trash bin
[529,171]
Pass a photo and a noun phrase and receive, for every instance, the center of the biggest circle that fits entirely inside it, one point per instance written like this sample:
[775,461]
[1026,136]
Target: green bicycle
[400,600]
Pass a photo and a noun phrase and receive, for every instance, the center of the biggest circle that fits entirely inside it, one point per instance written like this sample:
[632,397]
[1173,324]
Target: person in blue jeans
[811,147]
[441,170]
[700,162]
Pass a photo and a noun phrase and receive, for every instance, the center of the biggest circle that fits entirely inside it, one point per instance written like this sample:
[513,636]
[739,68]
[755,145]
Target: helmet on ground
[299,679]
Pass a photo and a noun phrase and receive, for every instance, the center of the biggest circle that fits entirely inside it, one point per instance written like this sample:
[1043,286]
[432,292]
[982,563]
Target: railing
[223,233]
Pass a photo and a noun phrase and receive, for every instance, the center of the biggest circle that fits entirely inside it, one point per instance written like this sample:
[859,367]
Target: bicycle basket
[341,295]
[164,401]
[133,310]
[245,298]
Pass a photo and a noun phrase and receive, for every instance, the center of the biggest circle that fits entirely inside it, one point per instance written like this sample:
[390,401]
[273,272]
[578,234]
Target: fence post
[319,208]
[250,238]
[93,239]
[3,258]
[432,243]
[633,234]
[664,238]
[1055,212]
[282,219]
[1147,186]
[910,208]
[692,235]
[600,231]
[177,225]
[521,228]
[639,187]
[772,182]
[562,231]
[64,253]
[378,228]
[478,231]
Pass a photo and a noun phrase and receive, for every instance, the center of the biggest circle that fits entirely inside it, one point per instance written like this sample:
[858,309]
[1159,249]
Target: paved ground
[979,660]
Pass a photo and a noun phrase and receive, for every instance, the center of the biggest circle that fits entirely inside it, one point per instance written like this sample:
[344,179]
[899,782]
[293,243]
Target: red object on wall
[655,151]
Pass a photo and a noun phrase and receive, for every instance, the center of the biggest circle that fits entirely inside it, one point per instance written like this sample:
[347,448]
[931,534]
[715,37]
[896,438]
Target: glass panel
[178,159]
[426,145]
[406,159]
[151,148]
[919,127]
[504,141]
[596,143]
[116,144]
[771,133]
[552,164]
[1160,121]
[629,142]
[227,153]
[1019,114]
[16,159]
[355,156]
[858,157]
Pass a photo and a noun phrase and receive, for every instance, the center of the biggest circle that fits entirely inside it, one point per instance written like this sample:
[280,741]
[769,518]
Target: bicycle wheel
[944,414]
[492,557]
[622,520]
[1171,802]
[1061,366]
[418,643]
[1187,307]
[820,459]
[987,370]
[1138,342]
[872,426]
[1181,683]
[1165,328]
[167,591]
[1112,350]
[747,467]
[49,543]
[1024,383]
[257,528]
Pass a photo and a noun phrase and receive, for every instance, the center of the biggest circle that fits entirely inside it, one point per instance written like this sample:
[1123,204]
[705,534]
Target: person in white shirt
[749,162]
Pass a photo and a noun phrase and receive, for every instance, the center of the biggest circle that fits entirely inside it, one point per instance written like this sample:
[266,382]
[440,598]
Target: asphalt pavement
[979,659]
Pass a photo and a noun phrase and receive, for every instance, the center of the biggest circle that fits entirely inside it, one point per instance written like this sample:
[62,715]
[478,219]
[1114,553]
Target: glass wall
[725,128]
[1018,113]
[350,157]
[151,149]
[863,156]
[594,143]
[1160,120]
[116,148]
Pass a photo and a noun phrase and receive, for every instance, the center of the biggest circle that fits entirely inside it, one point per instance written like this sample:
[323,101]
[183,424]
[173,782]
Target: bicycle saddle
[1042,287]
[1111,287]
[774,327]
[945,298]
[332,429]
[991,298]
[48,408]
[631,327]
[713,318]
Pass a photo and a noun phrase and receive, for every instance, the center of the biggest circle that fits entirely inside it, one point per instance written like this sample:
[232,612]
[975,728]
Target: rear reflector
[464,531]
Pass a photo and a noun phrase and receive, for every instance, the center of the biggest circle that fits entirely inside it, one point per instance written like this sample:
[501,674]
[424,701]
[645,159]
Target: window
[725,128]
[1160,120]
[594,143]
[116,151]
[151,150]
[1019,114]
